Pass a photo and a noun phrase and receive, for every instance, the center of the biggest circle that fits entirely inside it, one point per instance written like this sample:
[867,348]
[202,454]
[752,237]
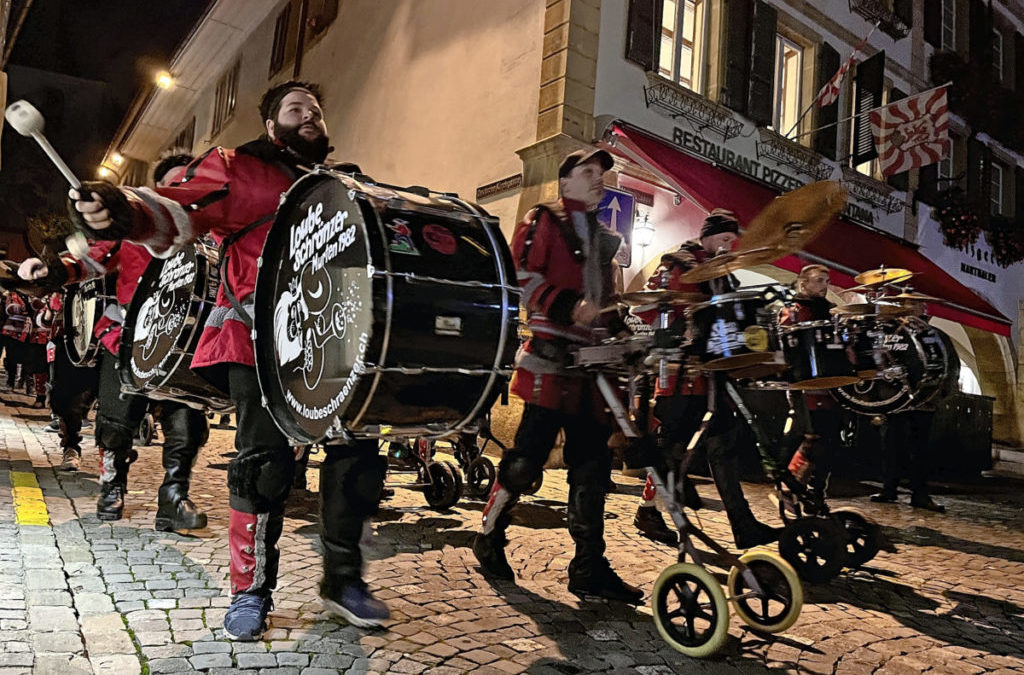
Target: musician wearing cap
[681,406]
[119,415]
[564,259]
[233,194]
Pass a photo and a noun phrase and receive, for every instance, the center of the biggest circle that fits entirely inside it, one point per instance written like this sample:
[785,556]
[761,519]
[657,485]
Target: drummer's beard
[313,150]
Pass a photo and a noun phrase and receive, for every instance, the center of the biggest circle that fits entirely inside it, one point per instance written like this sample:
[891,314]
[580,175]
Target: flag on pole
[911,132]
[830,91]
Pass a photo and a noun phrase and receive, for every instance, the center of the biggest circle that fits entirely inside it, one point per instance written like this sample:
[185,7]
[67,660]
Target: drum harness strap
[243,314]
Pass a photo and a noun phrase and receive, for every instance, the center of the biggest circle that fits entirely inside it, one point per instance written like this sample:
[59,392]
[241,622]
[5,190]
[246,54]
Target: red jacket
[19,322]
[552,268]
[221,193]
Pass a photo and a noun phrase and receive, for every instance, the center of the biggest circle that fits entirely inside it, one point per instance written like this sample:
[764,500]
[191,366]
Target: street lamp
[164,80]
[116,159]
[643,232]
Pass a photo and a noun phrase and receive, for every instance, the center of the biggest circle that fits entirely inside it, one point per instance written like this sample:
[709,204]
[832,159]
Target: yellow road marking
[29,507]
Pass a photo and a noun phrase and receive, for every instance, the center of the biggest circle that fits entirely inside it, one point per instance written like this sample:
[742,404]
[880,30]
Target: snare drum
[85,303]
[164,322]
[733,330]
[381,313]
[817,355]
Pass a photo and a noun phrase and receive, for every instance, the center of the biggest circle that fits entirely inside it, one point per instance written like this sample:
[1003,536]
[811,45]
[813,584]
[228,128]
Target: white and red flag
[911,132]
[829,93]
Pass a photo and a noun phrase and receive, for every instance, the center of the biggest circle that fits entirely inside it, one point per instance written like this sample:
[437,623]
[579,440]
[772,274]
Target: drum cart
[690,607]
[441,482]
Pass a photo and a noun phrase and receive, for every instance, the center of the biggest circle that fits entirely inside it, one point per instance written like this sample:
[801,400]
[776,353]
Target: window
[997,56]
[279,52]
[682,42]
[946,168]
[225,98]
[949,25]
[788,69]
[996,193]
[186,137]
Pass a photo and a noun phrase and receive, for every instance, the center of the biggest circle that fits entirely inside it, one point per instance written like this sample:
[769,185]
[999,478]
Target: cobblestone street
[81,596]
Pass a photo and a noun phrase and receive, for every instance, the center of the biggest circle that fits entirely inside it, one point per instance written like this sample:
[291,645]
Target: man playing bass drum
[233,194]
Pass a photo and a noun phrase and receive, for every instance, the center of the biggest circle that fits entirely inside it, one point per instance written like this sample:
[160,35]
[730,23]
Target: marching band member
[233,194]
[119,415]
[682,405]
[564,262]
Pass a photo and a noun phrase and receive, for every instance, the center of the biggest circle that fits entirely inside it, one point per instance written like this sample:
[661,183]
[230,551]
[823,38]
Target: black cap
[574,159]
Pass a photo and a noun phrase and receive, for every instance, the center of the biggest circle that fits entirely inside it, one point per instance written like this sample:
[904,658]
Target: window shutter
[869,80]
[738,23]
[824,140]
[643,33]
[900,181]
[762,65]
[928,184]
[1018,191]
[1018,65]
[904,11]
[933,23]
[980,35]
[977,186]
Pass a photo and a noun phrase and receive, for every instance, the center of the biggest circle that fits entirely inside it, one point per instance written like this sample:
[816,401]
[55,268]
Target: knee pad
[362,484]
[262,477]
[518,473]
[113,435]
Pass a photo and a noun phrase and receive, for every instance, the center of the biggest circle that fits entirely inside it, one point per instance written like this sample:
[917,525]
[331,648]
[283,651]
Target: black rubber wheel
[815,547]
[535,487]
[480,475]
[147,430]
[863,536]
[445,485]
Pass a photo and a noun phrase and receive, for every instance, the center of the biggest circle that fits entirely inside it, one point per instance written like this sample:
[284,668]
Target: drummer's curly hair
[270,104]
[169,160]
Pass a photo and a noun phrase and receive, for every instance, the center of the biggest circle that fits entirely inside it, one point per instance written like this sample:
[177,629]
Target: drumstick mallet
[29,122]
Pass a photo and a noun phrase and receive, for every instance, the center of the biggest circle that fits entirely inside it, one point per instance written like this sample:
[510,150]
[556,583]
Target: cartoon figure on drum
[233,194]
[681,406]
[564,262]
[118,416]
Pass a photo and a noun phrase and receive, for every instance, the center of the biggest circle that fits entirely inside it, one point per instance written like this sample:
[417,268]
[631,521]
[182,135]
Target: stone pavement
[81,596]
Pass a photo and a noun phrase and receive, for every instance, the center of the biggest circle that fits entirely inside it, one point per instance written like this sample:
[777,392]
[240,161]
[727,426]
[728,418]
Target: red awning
[845,246]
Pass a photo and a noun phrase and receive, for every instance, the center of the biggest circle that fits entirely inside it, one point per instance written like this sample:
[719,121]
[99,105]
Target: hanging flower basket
[960,226]
[1006,237]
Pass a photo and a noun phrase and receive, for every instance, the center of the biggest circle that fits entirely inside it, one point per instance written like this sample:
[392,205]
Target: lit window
[682,42]
[997,55]
[949,25]
[788,65]
[996,195]
[945,168]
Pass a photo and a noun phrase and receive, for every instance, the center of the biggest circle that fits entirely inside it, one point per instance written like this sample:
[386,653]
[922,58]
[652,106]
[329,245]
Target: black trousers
[72,392]
[589,462]
[905,451]
[260,478]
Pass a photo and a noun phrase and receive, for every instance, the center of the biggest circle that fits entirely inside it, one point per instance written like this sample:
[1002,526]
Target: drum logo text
[312,236]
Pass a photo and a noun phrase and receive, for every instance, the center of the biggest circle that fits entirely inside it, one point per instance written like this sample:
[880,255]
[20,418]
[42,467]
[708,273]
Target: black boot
[747,531]
[351,479]
[652,525]
[110,504]
[489,545]
[113,483]
[184,430]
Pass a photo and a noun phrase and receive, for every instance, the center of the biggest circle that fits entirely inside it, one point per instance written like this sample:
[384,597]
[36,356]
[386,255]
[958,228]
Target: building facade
[704,103]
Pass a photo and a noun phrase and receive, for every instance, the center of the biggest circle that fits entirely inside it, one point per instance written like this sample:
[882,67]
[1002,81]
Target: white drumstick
[28,121]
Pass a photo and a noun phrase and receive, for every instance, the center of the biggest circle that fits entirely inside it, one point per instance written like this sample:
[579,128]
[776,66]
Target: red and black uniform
[562,255]
[25,336]
[232,195]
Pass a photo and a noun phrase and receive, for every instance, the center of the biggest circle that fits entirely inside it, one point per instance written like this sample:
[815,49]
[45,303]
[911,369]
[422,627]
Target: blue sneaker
[246,618]
[356,605]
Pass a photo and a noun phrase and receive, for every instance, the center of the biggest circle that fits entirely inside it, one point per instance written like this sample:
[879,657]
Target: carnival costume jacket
[562,255]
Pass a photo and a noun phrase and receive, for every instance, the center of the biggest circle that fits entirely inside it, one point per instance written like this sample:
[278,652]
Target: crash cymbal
[726,263]
[872,309]
[912,297]
[655,297]
[792,220]
[883,275]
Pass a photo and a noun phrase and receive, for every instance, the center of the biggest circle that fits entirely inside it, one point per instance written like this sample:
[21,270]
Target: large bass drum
[164,322]
[85,303]
[381,313]
[918,364]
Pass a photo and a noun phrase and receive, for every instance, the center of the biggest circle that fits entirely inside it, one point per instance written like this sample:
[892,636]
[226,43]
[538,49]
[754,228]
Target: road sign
[616,212]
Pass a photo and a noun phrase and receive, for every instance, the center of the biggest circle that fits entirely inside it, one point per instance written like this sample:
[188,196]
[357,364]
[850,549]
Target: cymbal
[912,297]
[872,309]
[792,220]
[655,297]
[883,275]
[726,263]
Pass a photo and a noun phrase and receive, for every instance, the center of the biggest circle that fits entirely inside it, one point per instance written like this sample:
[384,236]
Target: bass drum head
[80,319]
[314,307]
[928,359]
[158,319]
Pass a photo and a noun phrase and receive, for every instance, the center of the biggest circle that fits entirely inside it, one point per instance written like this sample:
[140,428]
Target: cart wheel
[815,547]
[535,487]
[778,605]
[147,429]
[445,486]
[863,536]
[690,610]
[480,477]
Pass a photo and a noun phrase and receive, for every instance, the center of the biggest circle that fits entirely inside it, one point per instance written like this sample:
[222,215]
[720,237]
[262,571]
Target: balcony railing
[678,102]
[882,12]
[790,153]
